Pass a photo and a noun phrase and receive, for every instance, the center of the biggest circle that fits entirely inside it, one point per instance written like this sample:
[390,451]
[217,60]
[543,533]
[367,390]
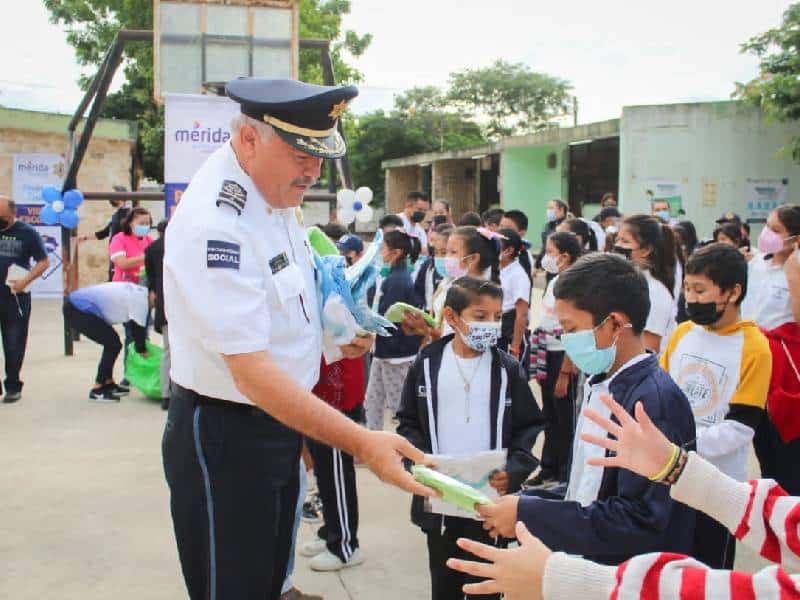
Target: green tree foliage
[510,96]
[420,122]
[92,24]
[776,90]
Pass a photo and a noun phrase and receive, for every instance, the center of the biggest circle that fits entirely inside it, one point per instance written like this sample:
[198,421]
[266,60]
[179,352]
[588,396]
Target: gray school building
[705,158]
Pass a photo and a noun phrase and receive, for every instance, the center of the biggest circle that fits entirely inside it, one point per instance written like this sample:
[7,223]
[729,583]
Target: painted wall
[716,143]
[528,185]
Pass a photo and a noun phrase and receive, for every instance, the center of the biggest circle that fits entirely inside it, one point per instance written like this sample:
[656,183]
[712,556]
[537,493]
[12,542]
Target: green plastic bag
[453,491]
[145,373]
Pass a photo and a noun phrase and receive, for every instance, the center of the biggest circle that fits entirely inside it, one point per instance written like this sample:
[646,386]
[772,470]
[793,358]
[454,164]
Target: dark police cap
[306,116]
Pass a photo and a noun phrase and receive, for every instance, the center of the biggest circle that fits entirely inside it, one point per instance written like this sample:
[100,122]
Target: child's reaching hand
[499,481]
[500,518]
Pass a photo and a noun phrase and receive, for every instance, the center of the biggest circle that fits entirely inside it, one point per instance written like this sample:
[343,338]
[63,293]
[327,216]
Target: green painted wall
[528,185]
[113,129]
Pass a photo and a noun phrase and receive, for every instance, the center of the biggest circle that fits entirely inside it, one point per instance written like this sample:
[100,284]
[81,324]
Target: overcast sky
[614,53]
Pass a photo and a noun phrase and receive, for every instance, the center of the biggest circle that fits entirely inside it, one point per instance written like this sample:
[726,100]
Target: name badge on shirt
[222,255]
[278,262]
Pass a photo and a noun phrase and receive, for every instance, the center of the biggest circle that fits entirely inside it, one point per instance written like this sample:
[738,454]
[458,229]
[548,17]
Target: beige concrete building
[109,162]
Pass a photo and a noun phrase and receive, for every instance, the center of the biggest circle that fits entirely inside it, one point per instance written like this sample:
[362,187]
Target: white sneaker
[311,549]
[327,561]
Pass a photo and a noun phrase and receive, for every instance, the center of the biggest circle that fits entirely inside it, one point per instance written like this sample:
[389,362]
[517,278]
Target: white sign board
[32,172]
[763,195]
[194,126]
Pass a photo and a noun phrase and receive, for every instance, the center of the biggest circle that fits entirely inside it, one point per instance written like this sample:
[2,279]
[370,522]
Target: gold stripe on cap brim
[289,128]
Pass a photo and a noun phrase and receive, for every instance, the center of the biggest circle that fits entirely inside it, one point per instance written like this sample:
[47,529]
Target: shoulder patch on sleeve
[233,195]
[222,255]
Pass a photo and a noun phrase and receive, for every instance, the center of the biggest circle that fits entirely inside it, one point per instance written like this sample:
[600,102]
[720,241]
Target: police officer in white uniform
[241,302]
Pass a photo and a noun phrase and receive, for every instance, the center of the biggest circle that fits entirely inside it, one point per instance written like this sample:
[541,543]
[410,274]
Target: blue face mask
[141,230]
[581,346]
[664,215]
[439,263]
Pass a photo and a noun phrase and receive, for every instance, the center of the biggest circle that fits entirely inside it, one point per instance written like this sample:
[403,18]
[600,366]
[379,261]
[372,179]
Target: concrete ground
[84,507]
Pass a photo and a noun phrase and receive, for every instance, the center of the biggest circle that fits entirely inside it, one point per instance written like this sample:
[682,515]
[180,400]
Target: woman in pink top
[127,247]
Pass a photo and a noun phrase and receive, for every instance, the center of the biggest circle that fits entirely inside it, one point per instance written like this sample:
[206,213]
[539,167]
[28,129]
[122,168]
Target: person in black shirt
[154,267]
[19,244]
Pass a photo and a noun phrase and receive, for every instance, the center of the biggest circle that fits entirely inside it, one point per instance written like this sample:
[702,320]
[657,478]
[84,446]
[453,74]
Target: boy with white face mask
[609,515]
[462,397]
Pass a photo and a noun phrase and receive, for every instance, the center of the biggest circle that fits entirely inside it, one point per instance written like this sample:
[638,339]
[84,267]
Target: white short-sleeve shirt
[238,278]
[661,319]
[515,284]
[768,301]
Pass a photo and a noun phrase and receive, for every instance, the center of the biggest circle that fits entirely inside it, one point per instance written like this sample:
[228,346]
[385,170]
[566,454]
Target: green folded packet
[398,309]
[453,491]
[321,242]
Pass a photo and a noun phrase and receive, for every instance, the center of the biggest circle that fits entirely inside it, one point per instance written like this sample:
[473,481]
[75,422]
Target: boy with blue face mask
[608,515]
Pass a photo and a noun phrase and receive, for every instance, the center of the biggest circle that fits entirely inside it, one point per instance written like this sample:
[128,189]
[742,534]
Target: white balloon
[345,216]
[365,214]
[345,197]
[364,195]
[58,205]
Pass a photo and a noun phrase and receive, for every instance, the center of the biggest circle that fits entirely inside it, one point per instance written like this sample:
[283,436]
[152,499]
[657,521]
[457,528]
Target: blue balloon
[50,194]
[73,199]
[48,215]
[69,219]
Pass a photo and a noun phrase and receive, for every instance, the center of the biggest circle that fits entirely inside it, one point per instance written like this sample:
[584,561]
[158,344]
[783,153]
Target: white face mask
[481,335]
[550,264]
[551,215]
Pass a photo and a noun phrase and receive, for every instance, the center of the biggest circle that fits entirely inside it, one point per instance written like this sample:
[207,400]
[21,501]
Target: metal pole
[99,90]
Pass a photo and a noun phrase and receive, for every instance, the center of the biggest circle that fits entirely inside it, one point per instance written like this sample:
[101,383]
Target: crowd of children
[703,335]
[687,329]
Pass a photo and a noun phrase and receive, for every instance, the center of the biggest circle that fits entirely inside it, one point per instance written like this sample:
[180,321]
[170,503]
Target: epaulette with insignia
[233,195]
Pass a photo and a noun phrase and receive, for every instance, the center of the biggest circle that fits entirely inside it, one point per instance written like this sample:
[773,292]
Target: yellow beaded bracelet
[668,467]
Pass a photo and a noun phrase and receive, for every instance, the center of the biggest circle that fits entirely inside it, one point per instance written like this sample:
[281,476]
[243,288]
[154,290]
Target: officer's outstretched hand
[383,453]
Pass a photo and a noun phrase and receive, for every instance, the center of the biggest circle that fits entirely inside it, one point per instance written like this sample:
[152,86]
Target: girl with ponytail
[650,244]
[471,251]
[516,284]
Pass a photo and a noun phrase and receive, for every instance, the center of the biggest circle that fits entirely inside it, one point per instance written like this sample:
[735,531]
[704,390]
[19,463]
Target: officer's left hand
[500,518]
[358,346]
[383,453]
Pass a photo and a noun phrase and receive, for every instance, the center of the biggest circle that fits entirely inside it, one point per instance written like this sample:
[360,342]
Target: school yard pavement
[84,506]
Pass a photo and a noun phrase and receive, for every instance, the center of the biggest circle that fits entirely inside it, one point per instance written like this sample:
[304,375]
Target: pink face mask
[452,265]
[770,242]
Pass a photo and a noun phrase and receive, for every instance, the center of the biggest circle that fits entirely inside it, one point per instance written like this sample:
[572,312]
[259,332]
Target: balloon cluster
[352,205]
[61,209]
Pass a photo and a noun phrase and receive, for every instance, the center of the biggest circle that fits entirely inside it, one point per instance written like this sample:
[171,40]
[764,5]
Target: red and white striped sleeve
[760,514]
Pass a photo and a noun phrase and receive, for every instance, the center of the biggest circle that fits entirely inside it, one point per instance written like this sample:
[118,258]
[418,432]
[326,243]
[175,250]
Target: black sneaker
[312,509]
[119,389]
[125,382]
[103,394]
[541,480]
[165,403]
[12,397]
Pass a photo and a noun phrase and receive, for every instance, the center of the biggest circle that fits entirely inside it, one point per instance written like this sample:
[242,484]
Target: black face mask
[349,260]
[626,252]
[439,220]
[3,224]
[417,216]
[704,313]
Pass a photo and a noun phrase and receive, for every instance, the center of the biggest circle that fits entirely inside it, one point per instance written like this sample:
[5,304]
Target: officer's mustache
[306,181]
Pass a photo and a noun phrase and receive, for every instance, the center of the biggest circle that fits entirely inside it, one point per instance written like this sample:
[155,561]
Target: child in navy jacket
[393,354]
[609,515]
[464,396]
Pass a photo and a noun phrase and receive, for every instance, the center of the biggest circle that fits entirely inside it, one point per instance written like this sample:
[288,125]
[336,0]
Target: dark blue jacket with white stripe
[632,515]
[515,416]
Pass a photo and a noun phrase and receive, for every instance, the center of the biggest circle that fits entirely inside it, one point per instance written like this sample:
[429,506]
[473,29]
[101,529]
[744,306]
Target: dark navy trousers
[232,472]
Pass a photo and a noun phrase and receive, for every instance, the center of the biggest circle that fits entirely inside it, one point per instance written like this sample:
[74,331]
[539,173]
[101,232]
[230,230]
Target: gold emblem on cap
[338,109]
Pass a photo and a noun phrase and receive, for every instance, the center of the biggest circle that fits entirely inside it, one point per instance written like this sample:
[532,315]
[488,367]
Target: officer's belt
[217,402]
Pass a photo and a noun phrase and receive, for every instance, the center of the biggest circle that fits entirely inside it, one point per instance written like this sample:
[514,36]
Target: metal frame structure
[96,96]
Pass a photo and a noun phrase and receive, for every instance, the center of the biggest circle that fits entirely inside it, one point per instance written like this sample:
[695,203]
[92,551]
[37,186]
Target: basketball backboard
[200,44]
